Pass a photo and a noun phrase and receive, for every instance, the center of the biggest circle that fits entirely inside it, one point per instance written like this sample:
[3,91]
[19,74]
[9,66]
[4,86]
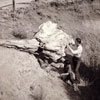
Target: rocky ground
[21,77]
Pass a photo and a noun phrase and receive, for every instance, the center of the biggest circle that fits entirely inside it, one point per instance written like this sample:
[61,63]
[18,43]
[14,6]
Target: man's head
[78,41]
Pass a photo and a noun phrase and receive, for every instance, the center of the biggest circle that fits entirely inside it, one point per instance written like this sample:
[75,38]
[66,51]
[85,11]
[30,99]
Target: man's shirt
[77,52]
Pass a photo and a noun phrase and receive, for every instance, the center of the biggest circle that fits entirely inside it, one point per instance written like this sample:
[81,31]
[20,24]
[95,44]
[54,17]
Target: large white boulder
[54,38]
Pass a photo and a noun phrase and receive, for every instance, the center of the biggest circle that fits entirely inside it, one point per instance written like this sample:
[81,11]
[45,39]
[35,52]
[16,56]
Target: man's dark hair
[78,40]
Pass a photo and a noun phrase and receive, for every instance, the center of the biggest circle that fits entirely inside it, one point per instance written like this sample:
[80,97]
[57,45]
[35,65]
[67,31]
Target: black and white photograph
[49,49]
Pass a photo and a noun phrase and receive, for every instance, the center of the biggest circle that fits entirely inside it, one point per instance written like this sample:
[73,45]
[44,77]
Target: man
[76,60]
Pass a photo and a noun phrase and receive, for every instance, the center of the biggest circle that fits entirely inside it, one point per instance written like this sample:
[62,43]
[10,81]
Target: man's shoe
[75,87]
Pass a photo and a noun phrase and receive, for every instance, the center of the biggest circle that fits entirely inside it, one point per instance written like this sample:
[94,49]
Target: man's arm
[73,51]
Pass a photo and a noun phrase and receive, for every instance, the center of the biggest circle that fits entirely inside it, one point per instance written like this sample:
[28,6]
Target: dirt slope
[21,78]
[18,70]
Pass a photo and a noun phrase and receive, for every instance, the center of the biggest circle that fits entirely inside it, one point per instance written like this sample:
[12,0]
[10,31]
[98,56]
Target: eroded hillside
[79,19]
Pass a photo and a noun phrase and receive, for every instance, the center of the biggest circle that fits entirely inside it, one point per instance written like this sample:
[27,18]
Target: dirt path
[7,2]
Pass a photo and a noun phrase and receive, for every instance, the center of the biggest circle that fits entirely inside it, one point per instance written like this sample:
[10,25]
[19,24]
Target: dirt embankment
[21,78]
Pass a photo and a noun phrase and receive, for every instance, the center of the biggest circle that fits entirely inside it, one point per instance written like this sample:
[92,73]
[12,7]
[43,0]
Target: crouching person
[68,76]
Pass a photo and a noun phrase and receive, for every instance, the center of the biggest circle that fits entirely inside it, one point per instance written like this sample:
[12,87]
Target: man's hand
[42,45]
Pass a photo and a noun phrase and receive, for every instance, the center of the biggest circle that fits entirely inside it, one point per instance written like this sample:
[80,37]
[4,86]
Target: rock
[55,40]
[29,46]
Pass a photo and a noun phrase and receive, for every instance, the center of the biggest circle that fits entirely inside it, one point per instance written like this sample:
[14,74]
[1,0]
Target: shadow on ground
[89,92]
